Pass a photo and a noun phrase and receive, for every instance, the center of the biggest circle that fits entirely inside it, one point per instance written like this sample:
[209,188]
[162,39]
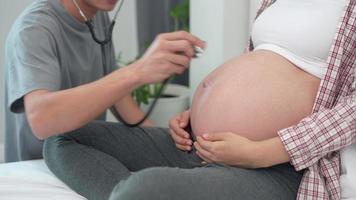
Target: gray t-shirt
[49,49]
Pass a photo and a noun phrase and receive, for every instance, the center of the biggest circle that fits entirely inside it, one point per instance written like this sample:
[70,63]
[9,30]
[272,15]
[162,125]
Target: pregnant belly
[253,95]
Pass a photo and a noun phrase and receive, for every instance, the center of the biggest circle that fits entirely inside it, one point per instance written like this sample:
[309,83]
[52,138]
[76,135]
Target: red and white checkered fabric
[314,143]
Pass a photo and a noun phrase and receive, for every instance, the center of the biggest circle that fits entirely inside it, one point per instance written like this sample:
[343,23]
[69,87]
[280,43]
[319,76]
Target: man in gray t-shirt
[55,80]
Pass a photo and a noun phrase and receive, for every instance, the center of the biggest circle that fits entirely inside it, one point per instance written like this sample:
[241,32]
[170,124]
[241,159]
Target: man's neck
[88,10]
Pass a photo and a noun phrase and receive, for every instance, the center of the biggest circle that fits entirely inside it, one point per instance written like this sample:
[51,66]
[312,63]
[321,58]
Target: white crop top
[302,31]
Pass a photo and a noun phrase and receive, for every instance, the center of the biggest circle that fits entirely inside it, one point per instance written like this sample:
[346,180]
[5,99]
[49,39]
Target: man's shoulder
[37,15]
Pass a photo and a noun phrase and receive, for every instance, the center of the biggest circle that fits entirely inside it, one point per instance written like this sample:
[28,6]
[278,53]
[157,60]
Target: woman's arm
[323,132]
[270,152]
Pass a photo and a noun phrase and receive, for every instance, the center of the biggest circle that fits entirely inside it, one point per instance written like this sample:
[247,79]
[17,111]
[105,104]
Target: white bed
[32,180]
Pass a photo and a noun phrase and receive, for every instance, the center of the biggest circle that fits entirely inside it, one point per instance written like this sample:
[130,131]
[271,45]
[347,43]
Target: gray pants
[102,160]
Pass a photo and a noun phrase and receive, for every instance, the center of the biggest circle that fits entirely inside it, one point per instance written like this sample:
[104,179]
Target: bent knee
[55,147]
[153,183]
[50,144]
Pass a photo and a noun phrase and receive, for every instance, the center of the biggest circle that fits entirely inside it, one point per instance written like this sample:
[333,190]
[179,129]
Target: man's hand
[169,54]
[231,149]
[179,135]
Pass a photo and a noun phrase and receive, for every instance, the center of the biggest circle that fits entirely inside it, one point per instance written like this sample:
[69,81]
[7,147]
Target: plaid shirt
[314,143]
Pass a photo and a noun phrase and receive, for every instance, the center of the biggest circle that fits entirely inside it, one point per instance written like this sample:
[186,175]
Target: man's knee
[50,144]
[52,148]
[153,183]
[55,144]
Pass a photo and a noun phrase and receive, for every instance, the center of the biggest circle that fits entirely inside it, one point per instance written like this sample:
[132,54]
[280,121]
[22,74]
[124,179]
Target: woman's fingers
[181,143]
[183,148]
[180,140]
[204,158]
[184,119]
[202,151]
[178,134]
[206,145]
[182,133]
[177,129]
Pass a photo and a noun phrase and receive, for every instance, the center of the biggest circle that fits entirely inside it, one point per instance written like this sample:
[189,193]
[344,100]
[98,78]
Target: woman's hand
[226,148]
[231,149]
[179,135]
[170,53]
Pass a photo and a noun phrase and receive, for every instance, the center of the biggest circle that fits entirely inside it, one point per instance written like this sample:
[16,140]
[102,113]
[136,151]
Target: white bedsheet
[32,180]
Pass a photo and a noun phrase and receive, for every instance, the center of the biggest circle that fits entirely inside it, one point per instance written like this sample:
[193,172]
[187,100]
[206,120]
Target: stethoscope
[102,43]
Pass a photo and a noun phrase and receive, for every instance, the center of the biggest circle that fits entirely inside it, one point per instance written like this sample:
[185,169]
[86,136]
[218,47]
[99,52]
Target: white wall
[124,33]
[125,36]
[225,25]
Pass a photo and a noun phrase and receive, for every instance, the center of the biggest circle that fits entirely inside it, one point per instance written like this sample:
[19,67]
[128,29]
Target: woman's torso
[253,95]
[261,92]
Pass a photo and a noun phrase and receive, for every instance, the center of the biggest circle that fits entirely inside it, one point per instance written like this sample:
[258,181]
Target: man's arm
[51,113]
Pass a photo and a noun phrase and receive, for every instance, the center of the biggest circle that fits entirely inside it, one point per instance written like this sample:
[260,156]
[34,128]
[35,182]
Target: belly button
[205,84]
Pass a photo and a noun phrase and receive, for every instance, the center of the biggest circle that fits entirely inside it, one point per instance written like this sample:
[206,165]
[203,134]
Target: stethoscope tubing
[102,42]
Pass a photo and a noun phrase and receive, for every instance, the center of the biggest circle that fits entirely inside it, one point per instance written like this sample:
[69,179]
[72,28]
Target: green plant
[180,15]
